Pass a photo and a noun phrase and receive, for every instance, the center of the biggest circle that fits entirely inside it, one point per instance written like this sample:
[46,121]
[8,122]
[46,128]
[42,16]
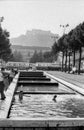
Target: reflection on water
[34,106]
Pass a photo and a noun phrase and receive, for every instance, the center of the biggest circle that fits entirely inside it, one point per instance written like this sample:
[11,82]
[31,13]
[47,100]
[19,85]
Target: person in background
[11,76]
[74,69]
[6,78]
[2,86]
[16,71]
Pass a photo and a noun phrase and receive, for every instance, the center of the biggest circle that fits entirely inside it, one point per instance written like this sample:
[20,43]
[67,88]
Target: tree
[5,51]
[34,58]
[55,50]
[42,57]
[17,57]
[79,37]
[63,47]
[49,57]
[72,42]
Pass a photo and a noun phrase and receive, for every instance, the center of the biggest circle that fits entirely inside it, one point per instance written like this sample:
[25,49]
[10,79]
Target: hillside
[35,38]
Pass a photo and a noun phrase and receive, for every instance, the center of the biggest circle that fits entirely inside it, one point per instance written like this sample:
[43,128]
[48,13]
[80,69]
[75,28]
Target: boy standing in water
[21,93]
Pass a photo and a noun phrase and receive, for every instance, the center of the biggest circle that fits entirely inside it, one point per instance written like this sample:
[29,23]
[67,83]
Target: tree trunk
[80,53]
[62,61]
[66,62]
[73,57]
[69,61]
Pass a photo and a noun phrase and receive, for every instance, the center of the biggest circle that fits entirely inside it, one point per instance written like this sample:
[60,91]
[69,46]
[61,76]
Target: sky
[23,15]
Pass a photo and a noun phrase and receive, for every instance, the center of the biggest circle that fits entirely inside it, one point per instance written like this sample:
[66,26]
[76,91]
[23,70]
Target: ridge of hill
[35,38]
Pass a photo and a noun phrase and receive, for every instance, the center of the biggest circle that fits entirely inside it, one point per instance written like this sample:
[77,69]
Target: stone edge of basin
[48,122]
[6,104]
[70,85]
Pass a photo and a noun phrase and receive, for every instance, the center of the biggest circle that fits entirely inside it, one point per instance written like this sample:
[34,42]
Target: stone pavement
[75,79]
[5,104]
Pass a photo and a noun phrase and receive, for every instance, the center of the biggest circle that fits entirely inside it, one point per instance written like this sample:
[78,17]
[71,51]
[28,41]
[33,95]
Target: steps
[32,74]
[34,78]
[34,83]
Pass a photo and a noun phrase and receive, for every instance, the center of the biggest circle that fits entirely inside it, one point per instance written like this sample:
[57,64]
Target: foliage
[5,50]
[17,57]
[41,57]
[72,42]
[55,48]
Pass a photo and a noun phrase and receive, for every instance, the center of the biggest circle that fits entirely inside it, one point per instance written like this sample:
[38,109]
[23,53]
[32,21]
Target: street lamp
[1,20]
[64,27]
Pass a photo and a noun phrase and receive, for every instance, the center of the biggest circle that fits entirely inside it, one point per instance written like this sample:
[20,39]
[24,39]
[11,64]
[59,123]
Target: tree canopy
[71,42]
[42,57]
[5,50]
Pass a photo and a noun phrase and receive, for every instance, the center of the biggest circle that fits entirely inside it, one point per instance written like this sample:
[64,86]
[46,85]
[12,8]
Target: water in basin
[42,106]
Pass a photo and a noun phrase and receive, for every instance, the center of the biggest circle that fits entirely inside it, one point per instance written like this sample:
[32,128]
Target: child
[54,98]
[21,93]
